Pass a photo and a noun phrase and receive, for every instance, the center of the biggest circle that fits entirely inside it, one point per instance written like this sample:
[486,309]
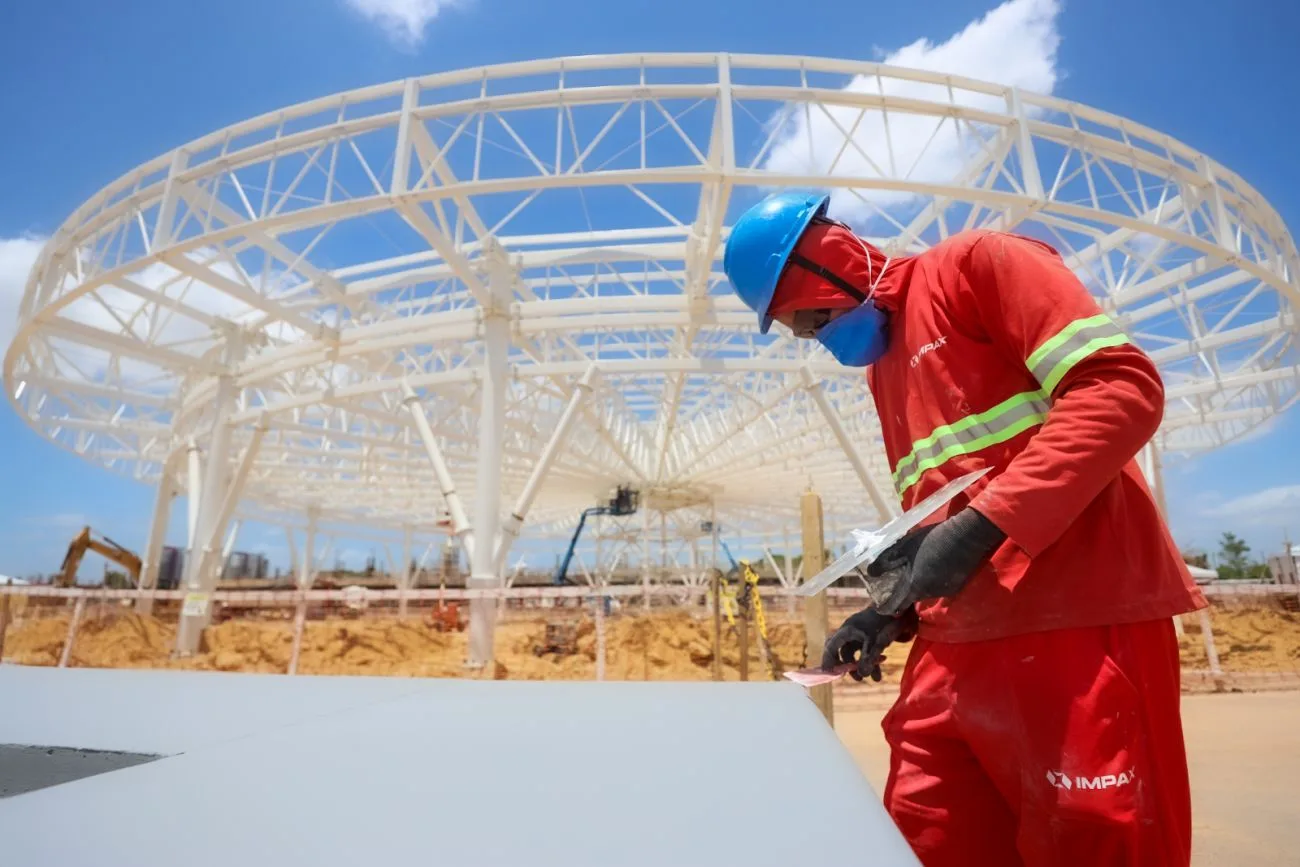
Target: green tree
[1234,564]
[115,580]
[1197,558]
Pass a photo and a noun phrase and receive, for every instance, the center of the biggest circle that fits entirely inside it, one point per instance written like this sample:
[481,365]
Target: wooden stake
[814,610]
[742,629]
[77,611]
[4,623]
[600,638]
[299,624]
[715,587]
[1211,652]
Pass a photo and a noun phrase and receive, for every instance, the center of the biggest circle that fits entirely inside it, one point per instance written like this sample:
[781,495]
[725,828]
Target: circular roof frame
[518,250]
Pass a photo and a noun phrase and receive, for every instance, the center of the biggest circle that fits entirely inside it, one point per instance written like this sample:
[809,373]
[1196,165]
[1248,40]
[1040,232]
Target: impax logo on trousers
[1060,780]
[929,347]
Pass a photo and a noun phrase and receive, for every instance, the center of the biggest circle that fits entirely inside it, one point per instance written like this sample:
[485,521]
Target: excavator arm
[106,548]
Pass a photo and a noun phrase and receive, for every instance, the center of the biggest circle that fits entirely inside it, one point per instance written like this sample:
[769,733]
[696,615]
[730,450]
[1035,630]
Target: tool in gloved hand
[862,639]
[870,544]
[933,562]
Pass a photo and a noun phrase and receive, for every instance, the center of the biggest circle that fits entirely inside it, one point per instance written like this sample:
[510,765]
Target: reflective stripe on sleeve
[970,434]
[1050,362]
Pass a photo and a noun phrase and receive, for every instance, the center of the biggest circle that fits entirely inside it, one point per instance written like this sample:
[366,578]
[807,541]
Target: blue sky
[89,90]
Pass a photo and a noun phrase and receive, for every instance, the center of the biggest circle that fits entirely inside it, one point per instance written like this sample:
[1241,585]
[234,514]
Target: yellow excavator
[104,546]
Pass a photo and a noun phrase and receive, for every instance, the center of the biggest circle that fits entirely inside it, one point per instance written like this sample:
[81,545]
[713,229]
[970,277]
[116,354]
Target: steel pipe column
[162,510]
[200,577]
[487,494]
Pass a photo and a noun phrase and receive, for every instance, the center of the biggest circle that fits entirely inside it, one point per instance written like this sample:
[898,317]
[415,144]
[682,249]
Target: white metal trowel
[870,544]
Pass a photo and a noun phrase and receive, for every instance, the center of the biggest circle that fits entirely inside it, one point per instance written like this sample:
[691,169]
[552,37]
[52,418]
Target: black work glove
[863,638]
[935,561]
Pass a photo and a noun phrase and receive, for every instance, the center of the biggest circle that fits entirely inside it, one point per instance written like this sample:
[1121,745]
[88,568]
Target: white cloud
[1275,507]
[403,21]
[1014,44]
[17,255]
[116,310]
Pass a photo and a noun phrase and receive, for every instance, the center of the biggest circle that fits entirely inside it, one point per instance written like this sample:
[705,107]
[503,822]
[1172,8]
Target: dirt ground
[671,645]
[1260,642]
[1244,756]
[1259,638]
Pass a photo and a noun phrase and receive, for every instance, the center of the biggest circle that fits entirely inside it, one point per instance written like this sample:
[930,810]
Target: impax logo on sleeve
[929,347]
[1061,780]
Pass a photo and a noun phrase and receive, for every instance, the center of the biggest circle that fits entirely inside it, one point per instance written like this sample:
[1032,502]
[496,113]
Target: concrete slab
[326,771]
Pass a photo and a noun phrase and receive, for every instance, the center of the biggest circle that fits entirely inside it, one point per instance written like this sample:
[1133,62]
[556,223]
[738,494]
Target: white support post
[663,547]
[232,535]
[194,491]
[199,576]
[209,565]
[404,571]
[307,574]
[886,509]
[292,544]
[487,495]
[645,560]
[459,522]
[162,510]
[510,531]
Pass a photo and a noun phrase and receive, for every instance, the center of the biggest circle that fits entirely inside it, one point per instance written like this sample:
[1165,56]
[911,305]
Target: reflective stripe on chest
[1049,364]
[970,434]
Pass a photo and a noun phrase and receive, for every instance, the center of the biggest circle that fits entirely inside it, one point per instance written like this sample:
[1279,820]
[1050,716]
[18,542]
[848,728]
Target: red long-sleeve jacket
[999,357]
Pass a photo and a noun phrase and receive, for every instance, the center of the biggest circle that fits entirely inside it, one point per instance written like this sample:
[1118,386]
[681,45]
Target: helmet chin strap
[871,290]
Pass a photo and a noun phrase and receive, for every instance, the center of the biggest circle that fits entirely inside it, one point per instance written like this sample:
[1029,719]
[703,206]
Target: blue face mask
[858,338]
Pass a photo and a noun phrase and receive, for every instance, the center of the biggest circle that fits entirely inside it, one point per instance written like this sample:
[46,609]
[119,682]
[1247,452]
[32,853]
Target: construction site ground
[1259,642]
[1244,745]
[1244,756]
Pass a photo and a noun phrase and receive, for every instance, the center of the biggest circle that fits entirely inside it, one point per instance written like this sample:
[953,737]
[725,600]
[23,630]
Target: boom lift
[624,502]
[104,546]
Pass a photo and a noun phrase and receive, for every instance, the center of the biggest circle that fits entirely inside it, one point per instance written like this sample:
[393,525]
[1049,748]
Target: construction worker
[1038,717]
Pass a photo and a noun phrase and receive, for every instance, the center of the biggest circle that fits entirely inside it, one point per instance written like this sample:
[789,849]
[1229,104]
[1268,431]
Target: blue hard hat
[761,242]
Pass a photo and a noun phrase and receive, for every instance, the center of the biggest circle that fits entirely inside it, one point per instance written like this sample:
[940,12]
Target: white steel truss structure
[493,294]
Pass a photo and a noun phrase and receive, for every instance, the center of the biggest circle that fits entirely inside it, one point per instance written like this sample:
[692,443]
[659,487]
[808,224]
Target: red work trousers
[1053,748]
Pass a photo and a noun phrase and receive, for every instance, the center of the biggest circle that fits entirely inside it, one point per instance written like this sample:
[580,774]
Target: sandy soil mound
[1247,639]
[114,640]
[670,645]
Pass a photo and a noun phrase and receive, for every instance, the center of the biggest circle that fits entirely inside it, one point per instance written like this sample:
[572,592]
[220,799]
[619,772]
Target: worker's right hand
[863,637]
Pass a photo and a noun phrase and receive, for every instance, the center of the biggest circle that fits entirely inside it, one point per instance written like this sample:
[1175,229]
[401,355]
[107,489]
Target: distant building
[170,568]
[242,564]
[1285,567]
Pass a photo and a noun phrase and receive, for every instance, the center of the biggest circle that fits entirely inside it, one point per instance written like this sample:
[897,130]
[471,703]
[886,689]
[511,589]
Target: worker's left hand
[935,561]
[863,637]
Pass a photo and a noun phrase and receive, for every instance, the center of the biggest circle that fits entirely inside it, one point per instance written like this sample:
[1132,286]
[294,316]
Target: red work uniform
[1038,721]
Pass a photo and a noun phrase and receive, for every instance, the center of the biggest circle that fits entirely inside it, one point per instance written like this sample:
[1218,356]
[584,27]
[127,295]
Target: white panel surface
[348,771]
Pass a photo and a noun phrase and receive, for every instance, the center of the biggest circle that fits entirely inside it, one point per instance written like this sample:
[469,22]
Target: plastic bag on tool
[870,544]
